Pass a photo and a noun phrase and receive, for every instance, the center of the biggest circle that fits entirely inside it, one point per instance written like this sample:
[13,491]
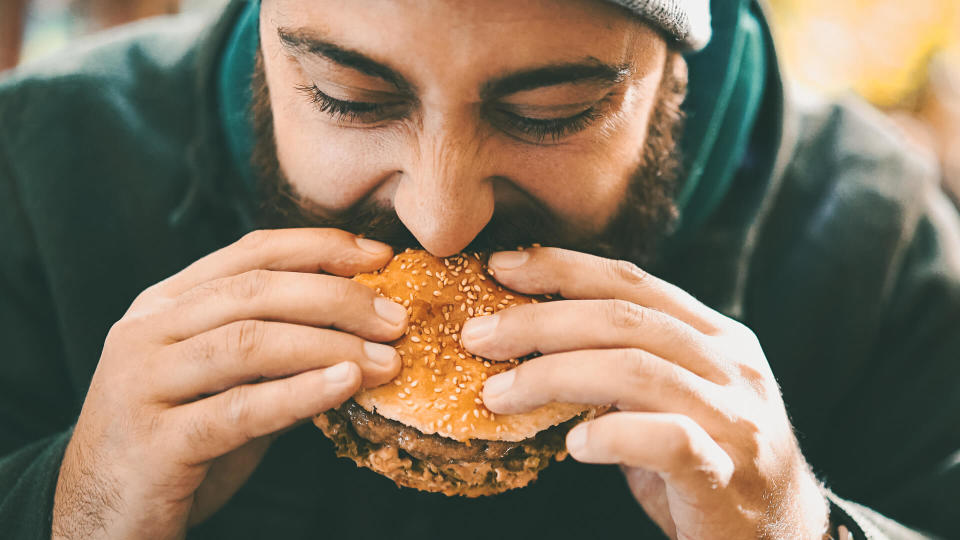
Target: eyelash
[340,110]
[540,130]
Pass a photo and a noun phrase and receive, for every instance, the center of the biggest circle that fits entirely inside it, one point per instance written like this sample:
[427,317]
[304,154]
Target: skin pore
[476,136]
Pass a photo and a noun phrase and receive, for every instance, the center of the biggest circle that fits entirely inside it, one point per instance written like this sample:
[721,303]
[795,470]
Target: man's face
[436,114]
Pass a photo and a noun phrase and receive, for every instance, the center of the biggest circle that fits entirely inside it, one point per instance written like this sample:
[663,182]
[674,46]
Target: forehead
[427,39]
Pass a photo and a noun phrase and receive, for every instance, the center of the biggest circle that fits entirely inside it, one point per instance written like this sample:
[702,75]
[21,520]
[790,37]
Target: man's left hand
[700,429]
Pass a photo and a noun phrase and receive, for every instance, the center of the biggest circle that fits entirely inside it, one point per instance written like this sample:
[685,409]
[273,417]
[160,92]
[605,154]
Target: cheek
[585,183]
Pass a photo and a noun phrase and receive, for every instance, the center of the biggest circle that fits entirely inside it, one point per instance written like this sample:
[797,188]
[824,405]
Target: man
[153,389]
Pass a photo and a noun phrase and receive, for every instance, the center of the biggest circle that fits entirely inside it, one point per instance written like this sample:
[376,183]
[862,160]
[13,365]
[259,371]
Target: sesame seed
[486,363]
[436,293]
[458,367]
[463,430]
[452,397]
[401,395]
[476,413]
[437,390]
[415,339]
[446,417]
[499,429]
[414,384]
[406,390]
[485,413]
[397,382]
[449,427]
[464,417]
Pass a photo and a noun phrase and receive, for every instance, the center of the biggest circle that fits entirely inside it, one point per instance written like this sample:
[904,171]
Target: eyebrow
[300,42]
[591,70]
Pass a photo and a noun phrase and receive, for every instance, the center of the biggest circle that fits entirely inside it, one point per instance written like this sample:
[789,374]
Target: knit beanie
[686,21]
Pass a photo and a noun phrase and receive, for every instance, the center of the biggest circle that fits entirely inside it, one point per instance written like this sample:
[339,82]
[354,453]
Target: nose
[445,196]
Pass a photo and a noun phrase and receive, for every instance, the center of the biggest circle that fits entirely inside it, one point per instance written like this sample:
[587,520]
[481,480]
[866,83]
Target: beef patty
[373,431]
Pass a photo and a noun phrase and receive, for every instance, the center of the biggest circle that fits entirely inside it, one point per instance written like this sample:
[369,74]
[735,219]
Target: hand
[700,431]
[207,366]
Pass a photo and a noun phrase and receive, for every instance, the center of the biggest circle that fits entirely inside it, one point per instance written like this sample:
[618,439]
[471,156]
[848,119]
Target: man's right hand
[207,366]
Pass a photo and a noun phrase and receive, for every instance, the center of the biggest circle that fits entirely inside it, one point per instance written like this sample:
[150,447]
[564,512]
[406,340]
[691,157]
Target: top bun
[438,388]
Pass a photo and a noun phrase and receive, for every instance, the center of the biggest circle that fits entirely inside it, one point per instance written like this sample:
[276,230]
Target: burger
[428,429]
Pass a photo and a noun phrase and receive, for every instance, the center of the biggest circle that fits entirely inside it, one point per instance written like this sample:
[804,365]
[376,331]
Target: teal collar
[236,93]
[726,89]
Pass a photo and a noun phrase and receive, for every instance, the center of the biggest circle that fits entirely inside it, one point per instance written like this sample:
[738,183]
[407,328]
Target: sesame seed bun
[439,386]
[428,429]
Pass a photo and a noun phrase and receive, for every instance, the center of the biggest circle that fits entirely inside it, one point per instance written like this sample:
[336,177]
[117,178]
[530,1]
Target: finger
[672,445]
[576,275]
[629,379]
[552,327]
[306,299]
[219,424]
[250,351]
[290,250]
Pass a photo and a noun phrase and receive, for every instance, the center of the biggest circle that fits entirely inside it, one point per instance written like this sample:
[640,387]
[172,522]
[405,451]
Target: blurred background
[904,57]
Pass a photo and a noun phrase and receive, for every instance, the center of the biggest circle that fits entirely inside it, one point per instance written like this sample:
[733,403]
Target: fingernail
[499,384]
[391,312]
[577,439]
[338,373]
[383,355]
[479,327]
[508,260]
[372,246]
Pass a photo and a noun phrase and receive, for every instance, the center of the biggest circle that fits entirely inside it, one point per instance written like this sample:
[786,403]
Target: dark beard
[644,218]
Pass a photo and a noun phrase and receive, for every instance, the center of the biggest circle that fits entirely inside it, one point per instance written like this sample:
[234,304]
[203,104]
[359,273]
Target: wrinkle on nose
[445,197]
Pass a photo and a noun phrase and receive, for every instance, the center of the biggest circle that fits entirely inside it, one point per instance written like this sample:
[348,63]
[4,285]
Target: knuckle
[341,290]
[628,272]
[625,315]
[120,328]
[244,338]
[250,284]
[236,406]
[635,365]
[255,239]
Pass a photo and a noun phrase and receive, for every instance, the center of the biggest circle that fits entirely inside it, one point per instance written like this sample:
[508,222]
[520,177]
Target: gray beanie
[687,21]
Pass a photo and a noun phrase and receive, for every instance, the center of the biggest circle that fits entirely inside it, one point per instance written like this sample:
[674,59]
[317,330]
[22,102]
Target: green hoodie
[830,240]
